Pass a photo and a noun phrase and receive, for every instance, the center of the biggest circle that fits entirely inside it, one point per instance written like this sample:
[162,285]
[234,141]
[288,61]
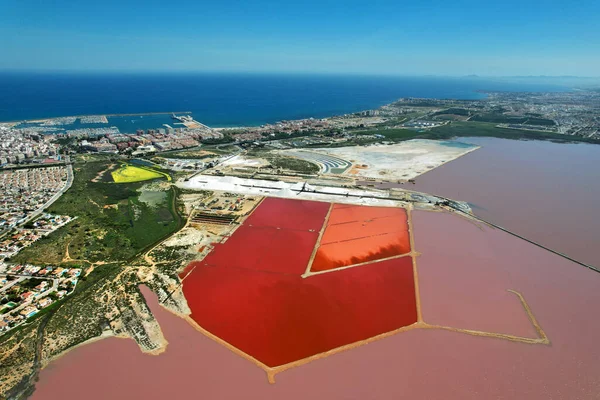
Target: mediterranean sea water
[219,99]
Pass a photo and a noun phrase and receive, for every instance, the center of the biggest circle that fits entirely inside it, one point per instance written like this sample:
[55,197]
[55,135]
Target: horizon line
[266,72]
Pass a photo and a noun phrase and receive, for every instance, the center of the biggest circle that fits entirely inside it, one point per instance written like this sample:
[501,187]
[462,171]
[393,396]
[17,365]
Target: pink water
[544,191]
[456,290]
[547,192]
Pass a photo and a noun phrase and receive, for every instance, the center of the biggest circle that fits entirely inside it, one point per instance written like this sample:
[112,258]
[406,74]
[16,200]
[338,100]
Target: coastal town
[25,290]
[36,141]
[146,142]
[18,146]
[570,113]
[25,193]
[149,201]
[566,114]
[34,176]
[23,236]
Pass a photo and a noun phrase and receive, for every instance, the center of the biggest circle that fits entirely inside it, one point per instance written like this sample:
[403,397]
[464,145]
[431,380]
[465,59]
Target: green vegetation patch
[81,309]
[153,198]
[293,164]
[454,111]
[470,128]
[112,223]
[129,173]
[539,121]
[507,119]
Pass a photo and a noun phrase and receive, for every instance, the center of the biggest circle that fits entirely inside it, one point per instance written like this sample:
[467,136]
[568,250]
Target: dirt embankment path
[101,173]
[67,258]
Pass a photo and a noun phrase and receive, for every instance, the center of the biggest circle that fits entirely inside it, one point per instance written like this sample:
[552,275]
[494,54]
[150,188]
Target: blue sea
[219,99]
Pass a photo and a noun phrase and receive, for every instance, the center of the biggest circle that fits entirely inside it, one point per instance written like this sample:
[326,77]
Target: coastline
[104,335]
[108,335]
[42,120]
[238,99]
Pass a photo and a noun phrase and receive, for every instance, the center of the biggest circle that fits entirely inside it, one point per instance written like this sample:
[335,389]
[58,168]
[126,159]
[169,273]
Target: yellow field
[128,173]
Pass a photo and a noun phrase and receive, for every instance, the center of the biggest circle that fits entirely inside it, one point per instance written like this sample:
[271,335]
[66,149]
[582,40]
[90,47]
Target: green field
[112,223]
[454,111]
[465,129]
[293,164]
[129,173]
[506,119]
[472,128]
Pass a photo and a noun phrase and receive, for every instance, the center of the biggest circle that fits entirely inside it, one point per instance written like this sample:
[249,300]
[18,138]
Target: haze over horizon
[381,37]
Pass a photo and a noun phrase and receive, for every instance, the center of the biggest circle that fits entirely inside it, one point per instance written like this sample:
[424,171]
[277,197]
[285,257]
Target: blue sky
[497,38]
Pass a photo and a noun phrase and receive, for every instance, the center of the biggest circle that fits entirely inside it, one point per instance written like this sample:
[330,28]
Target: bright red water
[289,214]
[265,249]
[279,318]
[276,230]
[249,291]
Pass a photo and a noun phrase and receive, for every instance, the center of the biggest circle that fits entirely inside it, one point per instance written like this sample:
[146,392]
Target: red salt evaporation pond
[279,319]
[420,364]
[279,236]
[249,290]
[356,234]
[547,192]
[265,249]
[289,214]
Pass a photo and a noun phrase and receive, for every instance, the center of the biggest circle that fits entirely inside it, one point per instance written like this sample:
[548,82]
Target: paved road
[40,296]
[40,210]
[206,168]
[27,276]
[11,284]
